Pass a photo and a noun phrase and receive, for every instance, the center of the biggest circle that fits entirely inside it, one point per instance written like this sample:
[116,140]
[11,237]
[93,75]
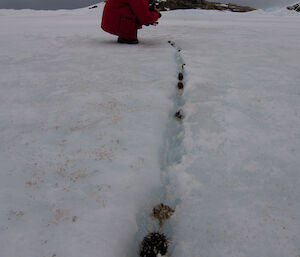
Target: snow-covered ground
[89,144]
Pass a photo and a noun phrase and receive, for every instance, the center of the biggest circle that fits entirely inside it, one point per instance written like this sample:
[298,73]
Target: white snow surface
[89,144]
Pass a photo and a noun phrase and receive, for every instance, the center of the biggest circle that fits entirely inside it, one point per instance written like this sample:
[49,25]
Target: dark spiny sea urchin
[179,115]
[153,244]
[180,76]
[180,85]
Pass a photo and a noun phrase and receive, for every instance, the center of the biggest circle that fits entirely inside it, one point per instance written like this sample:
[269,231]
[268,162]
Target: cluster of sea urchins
[154,244]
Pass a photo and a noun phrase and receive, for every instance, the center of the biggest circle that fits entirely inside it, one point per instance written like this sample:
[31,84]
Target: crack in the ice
[171,154]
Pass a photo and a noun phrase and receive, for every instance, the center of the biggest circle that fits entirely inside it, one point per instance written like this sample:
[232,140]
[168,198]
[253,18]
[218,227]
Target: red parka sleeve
[141,10]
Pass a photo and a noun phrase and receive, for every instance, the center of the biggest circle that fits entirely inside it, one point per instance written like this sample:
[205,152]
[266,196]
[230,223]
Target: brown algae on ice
[162,212]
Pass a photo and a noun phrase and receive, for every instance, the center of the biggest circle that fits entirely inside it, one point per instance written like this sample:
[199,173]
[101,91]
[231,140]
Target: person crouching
[124,17]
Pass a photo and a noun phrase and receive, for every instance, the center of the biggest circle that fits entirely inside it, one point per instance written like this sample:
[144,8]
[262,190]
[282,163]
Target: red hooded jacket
[124,17]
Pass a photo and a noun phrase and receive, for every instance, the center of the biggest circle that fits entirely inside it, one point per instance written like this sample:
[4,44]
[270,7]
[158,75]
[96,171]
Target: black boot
[122,40]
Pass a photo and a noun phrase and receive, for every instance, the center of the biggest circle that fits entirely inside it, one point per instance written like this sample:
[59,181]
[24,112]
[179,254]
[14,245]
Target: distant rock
[295,7]
[93,7]
[203,4]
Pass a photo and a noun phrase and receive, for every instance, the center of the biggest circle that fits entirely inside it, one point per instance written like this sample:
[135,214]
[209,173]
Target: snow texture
[89,143]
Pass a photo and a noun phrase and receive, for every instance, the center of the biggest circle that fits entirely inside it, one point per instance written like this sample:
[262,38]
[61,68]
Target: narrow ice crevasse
[171,154]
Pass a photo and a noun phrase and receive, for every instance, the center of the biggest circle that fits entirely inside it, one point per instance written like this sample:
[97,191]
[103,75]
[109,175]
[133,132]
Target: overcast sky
[72,4]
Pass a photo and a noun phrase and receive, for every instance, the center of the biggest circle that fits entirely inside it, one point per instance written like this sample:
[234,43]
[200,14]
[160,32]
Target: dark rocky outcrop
[203,4]
[295,7]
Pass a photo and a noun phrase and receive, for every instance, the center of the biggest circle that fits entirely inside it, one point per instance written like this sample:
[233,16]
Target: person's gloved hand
[158,11]
[159,15]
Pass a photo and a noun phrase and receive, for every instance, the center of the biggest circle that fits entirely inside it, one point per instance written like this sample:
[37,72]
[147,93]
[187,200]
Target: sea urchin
[153,244]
